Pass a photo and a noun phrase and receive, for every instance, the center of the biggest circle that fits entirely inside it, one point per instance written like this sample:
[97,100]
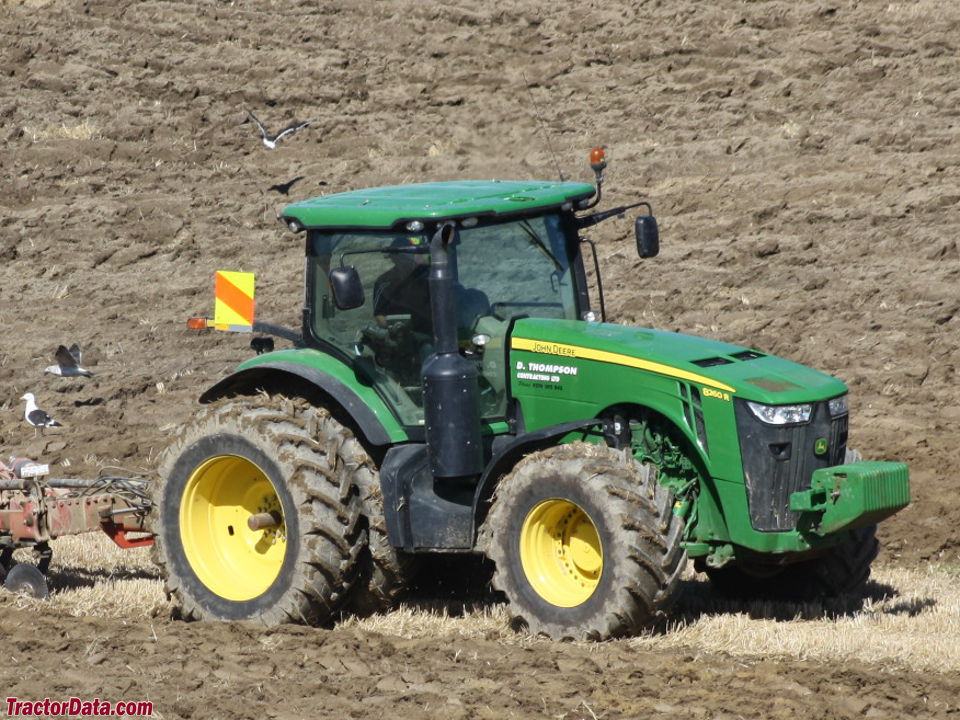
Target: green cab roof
[385,207]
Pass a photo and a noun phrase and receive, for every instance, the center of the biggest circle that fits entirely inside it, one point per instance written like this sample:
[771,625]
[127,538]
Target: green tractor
[454,389]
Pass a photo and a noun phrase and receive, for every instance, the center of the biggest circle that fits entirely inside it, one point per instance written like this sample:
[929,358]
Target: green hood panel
[384,207]
[724,367]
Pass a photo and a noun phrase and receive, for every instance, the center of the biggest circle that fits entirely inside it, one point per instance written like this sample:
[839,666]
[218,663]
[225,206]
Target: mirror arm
[590,220]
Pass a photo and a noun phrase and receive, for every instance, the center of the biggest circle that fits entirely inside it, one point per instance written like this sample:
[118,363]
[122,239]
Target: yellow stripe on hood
[576,351]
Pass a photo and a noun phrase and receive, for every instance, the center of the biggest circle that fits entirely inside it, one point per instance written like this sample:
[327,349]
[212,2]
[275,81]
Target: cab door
[385,339]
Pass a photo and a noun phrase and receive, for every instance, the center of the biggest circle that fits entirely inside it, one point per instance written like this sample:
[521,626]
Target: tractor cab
[515,253]
[501,270]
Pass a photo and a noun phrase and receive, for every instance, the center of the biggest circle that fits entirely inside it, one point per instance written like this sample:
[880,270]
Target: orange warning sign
[233,301]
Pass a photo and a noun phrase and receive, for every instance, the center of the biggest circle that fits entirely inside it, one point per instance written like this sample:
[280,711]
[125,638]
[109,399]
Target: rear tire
[385,571]
[259,456]
[585,543]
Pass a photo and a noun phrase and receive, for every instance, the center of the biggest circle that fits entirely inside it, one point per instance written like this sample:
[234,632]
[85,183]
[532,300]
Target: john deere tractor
[454,389]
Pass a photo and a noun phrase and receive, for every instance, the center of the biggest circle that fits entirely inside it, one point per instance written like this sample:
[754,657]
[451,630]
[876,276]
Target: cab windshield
[503,270]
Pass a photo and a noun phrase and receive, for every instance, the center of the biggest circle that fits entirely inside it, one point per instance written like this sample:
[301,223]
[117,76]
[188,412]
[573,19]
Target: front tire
[842,570]
[284,462]
[585,543]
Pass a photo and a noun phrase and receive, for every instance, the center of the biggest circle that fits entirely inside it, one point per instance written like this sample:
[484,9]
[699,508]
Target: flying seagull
[271,140]
[35,416]
[68,362]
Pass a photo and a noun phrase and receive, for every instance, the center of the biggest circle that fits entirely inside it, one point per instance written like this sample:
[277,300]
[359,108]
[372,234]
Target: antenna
[543,125]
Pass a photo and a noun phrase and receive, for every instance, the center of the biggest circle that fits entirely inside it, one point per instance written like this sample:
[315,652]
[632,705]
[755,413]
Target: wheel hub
[229,558]
[584,546]
[561,552]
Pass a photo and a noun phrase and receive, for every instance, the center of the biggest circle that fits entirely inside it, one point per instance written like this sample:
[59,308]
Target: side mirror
[648,236]
[346,287]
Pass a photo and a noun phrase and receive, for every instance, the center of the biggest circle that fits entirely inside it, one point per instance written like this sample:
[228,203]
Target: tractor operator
[404,289]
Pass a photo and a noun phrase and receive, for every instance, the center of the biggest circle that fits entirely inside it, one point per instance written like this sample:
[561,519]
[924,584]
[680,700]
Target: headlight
[838,406]
[781,414]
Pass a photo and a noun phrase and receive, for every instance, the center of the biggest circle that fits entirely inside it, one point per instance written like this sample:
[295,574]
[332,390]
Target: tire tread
[647,529]
[299,437]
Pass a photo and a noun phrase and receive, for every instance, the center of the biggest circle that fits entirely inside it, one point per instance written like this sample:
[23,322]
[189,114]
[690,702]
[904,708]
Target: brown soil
[802,161]
[213,670]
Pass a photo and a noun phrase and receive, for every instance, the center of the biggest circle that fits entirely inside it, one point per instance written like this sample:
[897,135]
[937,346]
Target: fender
[509,453]
[369,412]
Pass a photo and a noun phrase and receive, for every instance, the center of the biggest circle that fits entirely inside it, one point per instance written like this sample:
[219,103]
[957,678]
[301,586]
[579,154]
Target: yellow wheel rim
[561,552]
[229,558]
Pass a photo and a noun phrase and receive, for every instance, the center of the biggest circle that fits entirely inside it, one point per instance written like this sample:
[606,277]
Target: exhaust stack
[450,389]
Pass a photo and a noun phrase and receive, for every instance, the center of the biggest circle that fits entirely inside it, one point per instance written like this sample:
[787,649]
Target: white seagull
[35,416]
[271,140]
[69,362]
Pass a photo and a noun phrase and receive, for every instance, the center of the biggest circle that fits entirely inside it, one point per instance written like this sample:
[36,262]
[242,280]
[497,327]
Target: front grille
[778,461]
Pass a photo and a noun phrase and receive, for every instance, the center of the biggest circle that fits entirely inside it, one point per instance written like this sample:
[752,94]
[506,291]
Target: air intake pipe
[450,390]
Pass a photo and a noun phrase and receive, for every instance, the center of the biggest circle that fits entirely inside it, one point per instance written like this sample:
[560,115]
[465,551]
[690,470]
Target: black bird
[261,345]
[271,140]
[284,188]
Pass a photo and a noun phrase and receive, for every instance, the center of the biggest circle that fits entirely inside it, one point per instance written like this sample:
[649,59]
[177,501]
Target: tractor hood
[746,373]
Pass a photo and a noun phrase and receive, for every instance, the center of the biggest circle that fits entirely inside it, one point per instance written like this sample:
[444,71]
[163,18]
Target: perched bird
[271,140]
[69,362]
[36,417]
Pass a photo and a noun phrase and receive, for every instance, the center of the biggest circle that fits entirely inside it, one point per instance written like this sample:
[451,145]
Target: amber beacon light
[598,159]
